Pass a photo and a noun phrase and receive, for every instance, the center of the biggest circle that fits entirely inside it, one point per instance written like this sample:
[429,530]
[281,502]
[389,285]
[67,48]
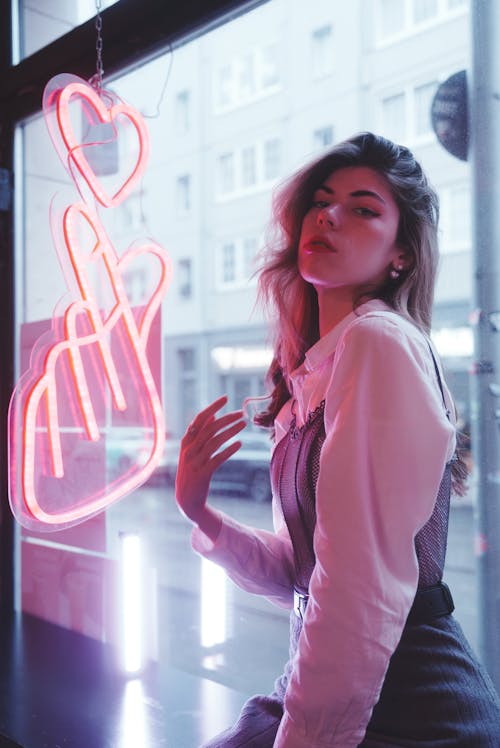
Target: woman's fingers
[206,416]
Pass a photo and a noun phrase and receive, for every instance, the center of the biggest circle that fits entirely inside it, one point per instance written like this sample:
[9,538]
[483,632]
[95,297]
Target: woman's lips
[316,244]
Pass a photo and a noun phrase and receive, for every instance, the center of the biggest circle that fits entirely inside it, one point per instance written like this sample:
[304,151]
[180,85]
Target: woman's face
[348,236]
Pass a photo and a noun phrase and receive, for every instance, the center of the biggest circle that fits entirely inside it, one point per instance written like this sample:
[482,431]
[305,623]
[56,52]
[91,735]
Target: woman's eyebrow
[356,193]
[367,193]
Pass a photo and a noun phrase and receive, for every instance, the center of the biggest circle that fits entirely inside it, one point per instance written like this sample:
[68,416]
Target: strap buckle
[299,603]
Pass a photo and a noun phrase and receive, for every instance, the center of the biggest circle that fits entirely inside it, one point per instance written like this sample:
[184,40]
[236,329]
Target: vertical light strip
[131,603]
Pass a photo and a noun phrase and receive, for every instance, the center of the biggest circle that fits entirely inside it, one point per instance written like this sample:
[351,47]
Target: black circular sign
[449,115]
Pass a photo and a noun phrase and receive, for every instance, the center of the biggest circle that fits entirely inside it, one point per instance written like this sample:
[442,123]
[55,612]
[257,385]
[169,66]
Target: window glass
[424,10]
[423,96]
[231,123]
[392,17]
[394,117]
[43,21]
[322,51]
[323,137]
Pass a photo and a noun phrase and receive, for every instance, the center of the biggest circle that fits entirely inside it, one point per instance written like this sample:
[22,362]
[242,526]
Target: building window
[246,77]
[225,171]
[456,223]
[183,193]
[248,167]
[423,99]
[398,17]
[235,263]
[424,10]
[394,117]
[225,87]
[323,137]
[228,263]
[272,159]
[267,63]
[182,112]
[185,279]
[392,17]
[186,358]
[136,286]
[249,256]
[322,51]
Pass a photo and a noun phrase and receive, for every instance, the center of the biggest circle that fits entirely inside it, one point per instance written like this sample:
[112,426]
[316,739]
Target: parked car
[246,472]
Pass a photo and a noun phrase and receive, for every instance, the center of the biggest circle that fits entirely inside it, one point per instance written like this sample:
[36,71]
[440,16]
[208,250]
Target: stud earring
[396,272]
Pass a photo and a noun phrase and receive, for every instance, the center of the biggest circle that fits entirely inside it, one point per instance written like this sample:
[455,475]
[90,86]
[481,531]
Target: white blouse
[387,441]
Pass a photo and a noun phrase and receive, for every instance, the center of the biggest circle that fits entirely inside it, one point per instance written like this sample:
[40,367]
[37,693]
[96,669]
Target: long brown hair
[294,301]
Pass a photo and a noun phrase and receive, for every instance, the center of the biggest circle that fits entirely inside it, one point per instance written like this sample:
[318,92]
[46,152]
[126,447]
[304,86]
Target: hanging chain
[97,78]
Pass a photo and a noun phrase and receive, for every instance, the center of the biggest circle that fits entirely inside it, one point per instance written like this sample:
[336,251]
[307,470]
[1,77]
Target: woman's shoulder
[388,333]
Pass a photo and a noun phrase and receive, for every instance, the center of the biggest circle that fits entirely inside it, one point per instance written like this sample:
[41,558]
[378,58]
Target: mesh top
[294,474]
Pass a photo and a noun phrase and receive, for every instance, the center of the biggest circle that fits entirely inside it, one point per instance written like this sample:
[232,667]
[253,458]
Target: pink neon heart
[105,115]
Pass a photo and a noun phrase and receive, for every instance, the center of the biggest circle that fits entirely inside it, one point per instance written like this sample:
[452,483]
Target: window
[249,255]
[186,359]
[406,115]
[182,112]
[235,263]
[183,193]
[267,62]
[322,51]
[184,277]
[135,282]
[225,94]
[247,77]
[394,117]
[423,10]
[423,100]
[456,227]
[248,167]
[228,263]
[392,17]
[225,174]
[272,159]
[323,137]
[403,17]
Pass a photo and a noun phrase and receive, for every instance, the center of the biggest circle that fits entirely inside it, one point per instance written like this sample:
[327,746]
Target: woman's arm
[258,561]
[387,443]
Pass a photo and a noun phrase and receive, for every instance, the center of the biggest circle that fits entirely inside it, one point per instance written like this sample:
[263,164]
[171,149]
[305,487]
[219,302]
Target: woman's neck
[334,305]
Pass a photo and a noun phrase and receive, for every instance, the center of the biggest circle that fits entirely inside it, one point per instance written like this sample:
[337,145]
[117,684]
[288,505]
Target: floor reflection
[134,729]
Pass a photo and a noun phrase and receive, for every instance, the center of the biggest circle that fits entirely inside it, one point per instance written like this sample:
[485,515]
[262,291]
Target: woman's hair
[294,301]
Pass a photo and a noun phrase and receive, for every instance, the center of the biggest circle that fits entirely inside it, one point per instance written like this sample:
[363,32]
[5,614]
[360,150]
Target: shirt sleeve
[258,561]
[387,442]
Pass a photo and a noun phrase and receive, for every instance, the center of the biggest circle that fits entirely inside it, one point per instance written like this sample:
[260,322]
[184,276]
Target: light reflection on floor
[134,726]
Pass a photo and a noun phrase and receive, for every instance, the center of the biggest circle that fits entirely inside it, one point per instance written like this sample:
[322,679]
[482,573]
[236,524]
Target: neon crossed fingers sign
[90,381]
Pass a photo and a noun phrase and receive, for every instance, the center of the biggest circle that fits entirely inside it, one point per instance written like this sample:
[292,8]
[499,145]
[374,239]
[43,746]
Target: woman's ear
[404,259]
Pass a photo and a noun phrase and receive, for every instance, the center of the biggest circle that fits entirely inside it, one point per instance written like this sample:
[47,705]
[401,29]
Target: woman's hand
[199,458]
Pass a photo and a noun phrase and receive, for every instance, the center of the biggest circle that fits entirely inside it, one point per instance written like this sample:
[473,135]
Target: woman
[364,459]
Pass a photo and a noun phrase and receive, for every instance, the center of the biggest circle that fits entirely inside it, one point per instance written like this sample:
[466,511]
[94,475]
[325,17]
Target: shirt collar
[326,345]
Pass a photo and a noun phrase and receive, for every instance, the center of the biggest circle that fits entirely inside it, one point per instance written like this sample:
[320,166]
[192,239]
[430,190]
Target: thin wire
[157,112]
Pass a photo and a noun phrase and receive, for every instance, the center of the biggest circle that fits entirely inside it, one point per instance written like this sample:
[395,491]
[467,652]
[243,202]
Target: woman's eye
[366,212]
[320,204]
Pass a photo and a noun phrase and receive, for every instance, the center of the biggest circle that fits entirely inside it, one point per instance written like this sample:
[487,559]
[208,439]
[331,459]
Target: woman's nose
[329,216]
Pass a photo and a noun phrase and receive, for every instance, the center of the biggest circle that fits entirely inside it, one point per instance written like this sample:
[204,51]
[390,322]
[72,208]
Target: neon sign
[89,381]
